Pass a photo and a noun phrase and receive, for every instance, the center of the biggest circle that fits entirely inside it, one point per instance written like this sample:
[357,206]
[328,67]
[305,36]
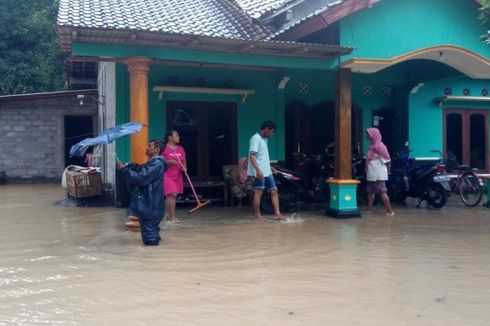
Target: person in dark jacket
[147,197]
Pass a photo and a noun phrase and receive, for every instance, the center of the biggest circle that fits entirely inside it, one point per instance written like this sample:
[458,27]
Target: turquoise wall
[394,27]
[267,103]
[321,86]
[426,117]
[400,78]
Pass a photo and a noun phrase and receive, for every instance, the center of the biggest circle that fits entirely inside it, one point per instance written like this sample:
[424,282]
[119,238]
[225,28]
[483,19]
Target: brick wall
[32,135]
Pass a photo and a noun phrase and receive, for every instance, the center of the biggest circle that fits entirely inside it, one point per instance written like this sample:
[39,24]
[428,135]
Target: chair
[227,178]
[234,189]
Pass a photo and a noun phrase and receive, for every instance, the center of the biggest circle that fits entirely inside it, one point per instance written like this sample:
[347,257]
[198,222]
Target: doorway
[208,132]
[312,129]
[309,127]
[466,136]
[77,128]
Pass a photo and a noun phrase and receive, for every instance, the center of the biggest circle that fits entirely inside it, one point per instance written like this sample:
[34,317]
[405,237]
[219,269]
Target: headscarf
[376,146]
[242,169]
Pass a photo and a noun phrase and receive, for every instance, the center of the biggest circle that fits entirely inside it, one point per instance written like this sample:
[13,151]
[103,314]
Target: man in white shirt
[259,166]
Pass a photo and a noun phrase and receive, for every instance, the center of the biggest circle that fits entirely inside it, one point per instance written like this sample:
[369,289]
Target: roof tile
[256,8]
[216,18]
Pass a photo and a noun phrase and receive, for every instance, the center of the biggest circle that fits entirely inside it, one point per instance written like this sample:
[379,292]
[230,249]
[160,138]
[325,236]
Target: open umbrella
[105,137]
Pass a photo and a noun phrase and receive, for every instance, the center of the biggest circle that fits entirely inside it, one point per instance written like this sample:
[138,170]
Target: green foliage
[485,19]
[30,57]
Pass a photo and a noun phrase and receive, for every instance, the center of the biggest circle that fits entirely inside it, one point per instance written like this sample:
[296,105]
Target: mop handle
[188,178]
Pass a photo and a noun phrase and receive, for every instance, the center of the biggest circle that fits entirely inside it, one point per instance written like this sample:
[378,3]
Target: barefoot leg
[386,203]
[275,204]
[257,197]
[370,202]
[171,201]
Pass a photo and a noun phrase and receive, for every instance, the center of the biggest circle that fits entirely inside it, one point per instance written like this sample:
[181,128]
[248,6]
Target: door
[310,127]
[77,128]
[208,132]
[466,136]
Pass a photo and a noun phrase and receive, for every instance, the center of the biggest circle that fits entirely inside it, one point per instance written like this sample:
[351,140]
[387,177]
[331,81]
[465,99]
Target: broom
[199,203]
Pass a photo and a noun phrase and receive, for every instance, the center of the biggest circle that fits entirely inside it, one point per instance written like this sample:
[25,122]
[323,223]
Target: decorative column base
[487,190]
[343,199]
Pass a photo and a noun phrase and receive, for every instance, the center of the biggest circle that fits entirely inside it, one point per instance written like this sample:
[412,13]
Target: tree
[485,18]
[30,56]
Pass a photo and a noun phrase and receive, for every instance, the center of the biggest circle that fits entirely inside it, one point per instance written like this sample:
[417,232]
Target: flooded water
[79,266]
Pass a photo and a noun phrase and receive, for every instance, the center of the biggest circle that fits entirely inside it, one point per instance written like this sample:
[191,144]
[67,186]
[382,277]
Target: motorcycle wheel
[436,196]
[266,204]
[396,189]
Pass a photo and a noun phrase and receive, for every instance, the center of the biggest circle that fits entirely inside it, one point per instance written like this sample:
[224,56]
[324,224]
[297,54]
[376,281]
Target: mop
[199,203]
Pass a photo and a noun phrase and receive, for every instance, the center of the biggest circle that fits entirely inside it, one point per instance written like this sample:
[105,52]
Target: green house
[322,70]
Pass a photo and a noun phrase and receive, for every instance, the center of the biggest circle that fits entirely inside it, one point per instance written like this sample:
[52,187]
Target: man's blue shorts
[268,183]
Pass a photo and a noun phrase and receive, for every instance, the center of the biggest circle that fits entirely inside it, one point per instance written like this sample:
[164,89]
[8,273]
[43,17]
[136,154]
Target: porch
[217,107]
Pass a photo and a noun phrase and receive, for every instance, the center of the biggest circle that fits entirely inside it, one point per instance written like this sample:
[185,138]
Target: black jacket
[147,183]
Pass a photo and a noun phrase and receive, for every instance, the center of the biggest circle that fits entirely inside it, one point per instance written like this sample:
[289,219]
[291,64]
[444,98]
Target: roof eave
[325,19]
[43,95]
[70,34]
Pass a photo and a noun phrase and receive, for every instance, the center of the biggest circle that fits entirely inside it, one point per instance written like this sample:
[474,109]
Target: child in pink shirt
[173,183]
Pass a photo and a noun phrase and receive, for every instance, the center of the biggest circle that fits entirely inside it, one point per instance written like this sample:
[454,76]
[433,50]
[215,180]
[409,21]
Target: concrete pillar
[343,190]
[138,84]
[343,125]
[106,82]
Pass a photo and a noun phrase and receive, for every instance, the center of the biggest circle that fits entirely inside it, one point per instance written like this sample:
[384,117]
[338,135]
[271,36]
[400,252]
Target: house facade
[323,70]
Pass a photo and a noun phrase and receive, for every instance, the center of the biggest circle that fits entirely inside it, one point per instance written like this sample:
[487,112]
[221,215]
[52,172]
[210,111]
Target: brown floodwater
[79,266]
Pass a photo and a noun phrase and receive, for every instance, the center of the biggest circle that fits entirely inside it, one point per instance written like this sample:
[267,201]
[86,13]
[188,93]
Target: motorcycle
[308,186]
[427,181]
[291,188]
[316,170]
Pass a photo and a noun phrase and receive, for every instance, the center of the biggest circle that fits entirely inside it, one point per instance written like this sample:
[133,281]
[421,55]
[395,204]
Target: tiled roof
[298,22]
[256,8]
[214,25]
[288,27]
[215,18]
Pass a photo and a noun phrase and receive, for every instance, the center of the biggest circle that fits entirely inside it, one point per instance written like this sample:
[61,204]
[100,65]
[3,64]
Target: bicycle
[467,185]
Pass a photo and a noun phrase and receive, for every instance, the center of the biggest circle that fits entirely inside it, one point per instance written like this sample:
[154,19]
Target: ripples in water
[80,266]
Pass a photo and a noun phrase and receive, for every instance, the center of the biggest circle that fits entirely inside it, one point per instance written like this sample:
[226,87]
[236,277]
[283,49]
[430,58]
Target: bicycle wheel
[470,189]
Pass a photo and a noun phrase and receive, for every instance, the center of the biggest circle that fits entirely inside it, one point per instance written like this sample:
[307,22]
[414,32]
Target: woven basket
[83,184]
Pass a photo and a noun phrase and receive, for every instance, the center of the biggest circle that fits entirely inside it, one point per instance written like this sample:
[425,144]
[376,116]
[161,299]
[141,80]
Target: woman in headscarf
[378,159]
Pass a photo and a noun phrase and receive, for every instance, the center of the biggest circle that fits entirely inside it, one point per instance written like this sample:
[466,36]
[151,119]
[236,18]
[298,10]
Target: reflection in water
[79,266]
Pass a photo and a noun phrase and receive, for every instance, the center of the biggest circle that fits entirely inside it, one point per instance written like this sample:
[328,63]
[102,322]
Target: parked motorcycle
[307,185]
[316,170]
[310,184]
[427,181]
[291,188]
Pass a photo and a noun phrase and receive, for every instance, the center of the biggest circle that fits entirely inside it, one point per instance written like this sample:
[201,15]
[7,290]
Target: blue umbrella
[105,137]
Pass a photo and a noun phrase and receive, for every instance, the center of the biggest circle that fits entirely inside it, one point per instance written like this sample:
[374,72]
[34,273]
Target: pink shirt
[172,178]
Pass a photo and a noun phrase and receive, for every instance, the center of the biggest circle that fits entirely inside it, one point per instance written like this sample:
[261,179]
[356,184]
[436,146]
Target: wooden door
[312,127]
[466,136]
[208,133]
